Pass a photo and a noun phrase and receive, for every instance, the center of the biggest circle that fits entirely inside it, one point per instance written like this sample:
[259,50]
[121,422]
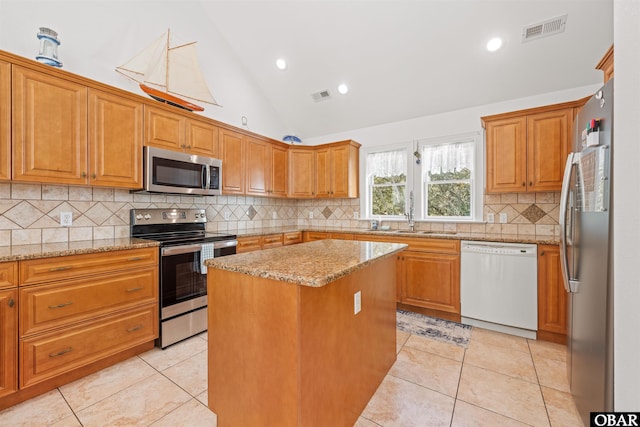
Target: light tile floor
[500,380]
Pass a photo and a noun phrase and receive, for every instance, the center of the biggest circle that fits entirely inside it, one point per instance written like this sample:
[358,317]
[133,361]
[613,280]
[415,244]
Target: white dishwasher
[499,286]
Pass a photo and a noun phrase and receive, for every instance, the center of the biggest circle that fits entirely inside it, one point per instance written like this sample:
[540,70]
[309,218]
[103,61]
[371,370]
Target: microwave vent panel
[546,28]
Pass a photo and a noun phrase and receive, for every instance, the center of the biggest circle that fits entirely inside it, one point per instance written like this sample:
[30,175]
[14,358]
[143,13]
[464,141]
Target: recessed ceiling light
[494,44]
[343,88]
[281,64]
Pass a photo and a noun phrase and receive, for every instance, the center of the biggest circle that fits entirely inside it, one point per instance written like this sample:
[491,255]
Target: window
[447,173]
[386,178]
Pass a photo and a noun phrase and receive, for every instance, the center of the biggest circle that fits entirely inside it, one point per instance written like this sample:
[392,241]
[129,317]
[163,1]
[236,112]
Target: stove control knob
[139,217]
[197,215]
[147,216]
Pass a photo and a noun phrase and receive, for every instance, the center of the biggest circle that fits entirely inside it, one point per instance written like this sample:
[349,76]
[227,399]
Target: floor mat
[431,327]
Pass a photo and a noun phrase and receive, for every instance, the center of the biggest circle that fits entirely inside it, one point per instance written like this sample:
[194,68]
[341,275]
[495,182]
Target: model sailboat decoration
[169,74]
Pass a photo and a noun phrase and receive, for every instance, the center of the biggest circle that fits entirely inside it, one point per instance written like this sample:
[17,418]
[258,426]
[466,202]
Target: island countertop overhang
[313,264]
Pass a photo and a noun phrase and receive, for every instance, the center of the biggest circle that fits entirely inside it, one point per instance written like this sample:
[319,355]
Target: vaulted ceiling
[405,59]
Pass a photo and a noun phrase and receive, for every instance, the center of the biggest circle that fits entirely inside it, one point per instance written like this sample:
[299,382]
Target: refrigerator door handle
[564,198]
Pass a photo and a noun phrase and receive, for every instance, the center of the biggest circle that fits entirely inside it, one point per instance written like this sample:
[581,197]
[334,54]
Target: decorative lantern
[48,47]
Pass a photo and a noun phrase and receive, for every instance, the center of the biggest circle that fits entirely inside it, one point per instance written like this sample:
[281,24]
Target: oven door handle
[185,249]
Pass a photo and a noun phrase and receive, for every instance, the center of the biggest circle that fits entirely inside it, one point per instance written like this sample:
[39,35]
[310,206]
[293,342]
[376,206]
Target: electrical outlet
[357,302]
[491,217]
[503,218]
[227,215]
[356,215]
[66,219]
[274,215]
[310,214]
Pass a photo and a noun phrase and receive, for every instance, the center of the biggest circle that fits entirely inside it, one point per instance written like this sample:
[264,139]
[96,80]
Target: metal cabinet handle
[135,258]
[11,302]
[64,304]
[139,288]
[524,184]
[65,267]
[135,328]
[61,352]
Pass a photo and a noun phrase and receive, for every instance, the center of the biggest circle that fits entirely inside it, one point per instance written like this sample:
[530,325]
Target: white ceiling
[405,59]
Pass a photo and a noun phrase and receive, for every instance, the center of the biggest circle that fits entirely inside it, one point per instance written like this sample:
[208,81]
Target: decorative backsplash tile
[30,213]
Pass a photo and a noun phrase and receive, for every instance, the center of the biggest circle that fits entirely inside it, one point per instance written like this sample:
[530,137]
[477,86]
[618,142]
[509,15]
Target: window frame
[415,180]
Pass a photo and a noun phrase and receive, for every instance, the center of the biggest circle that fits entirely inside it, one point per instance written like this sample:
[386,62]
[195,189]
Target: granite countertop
[312,264]
[487,237]
[47,250]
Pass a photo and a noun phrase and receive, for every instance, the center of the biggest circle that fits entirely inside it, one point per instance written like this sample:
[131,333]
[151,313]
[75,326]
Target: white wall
[97,36]
[452,123]
[626,205]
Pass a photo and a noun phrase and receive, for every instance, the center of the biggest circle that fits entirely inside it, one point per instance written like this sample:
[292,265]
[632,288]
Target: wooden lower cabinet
[70,316]
[8,328]
[310,236]
[552,298]
[291,238]
[256,243]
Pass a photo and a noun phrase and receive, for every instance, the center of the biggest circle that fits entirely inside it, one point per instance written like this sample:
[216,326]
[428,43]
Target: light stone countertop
[312,264]
[487,237]
[47,250]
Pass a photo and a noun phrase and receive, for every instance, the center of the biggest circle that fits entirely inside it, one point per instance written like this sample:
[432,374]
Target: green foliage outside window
[447,198]
[388,195]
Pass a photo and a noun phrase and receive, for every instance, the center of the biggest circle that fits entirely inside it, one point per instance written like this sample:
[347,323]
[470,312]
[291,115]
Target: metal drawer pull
[66,267]
[64,304]
[135,258]
[61,352]
[139,288]
[135,328]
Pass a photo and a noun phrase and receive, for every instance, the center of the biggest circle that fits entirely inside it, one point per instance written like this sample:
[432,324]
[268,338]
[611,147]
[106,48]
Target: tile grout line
[544,402]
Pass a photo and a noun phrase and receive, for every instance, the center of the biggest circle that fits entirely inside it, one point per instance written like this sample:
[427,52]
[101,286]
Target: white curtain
[447,157]
[387,163]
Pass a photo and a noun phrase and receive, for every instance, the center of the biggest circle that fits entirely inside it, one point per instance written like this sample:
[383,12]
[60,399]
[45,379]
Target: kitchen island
[288,345]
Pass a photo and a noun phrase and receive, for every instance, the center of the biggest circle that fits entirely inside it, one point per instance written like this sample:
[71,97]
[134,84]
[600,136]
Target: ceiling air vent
[549,27]
[321,96]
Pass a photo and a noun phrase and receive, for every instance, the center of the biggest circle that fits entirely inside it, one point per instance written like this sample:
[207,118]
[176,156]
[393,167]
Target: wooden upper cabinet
[344,170]
[279,170]
[49,124]
[527,150]
[548,142]
[202,138]
[5,121]
[606,64]
[302,166]
[115,141]
[323,172]
[506,155]
[164,129]
[232,154]
[258,167]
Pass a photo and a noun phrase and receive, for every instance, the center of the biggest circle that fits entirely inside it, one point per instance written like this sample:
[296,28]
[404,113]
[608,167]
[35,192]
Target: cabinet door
[232,150]
[164,129]
[506,155]
[548,140]
[323,172]
[8,341]
[202,138]
[5,121]
[49,123]
[279,171]
[431,281]
[258,168]
[552,297]
[301,173]
[340,171]
[115,141]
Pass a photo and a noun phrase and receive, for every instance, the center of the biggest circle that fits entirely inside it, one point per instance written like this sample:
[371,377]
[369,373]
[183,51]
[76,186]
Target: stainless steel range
[185,244]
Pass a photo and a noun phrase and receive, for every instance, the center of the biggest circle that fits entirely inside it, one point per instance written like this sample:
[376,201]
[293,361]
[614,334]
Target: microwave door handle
[206,176]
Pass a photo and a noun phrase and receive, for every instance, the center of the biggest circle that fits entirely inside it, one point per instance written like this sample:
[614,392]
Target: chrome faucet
[409,215]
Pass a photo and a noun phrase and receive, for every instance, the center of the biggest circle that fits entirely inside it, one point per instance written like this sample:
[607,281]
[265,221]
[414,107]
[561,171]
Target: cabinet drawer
[271,241]
[45,356]
[342,236]
[8,275]
[49,306]
[248,244]
[419,244]
[67,267]
[310,236]
[292,238]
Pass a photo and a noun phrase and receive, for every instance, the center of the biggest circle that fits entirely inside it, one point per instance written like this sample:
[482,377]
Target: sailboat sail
[161,68]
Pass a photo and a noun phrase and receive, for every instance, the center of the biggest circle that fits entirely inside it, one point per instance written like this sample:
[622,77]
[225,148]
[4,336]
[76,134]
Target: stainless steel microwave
[173,172]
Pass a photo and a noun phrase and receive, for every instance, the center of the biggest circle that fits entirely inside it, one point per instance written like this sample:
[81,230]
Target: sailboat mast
[166,52]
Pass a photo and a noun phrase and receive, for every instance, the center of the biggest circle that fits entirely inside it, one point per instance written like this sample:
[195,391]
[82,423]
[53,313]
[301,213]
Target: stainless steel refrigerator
[586,255]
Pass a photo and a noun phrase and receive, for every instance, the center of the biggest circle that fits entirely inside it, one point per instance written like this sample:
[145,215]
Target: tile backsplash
[30,213]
